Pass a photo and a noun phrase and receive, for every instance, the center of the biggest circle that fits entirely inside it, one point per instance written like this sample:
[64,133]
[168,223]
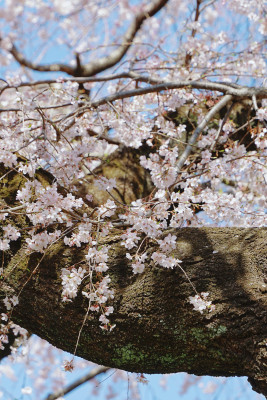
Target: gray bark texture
[157,330]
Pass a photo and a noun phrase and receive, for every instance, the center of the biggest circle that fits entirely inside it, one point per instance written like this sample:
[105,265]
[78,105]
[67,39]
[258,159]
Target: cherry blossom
[201,303]
[168,96]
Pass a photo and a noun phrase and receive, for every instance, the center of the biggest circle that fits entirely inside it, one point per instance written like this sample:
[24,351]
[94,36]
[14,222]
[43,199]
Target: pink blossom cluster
[162,166]
[201,303]
[7,326]
[71,280]
[9,233]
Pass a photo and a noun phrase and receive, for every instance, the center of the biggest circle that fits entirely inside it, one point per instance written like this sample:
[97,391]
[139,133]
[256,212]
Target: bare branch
[241,92]
[158,85]
[10,210]
[221,126]
[94,67]
[207,5]
[9,110]
[115,56]
[62,80]
[218,106]
[19,57]
[92,374]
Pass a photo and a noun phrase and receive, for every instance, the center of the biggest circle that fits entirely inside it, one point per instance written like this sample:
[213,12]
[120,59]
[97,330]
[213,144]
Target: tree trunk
[157,330]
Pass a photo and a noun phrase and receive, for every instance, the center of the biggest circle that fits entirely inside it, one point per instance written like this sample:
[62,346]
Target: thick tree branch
[91,375]
[97,66]
[157,330]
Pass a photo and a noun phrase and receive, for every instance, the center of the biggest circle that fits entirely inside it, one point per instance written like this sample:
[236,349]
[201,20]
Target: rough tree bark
[157,330]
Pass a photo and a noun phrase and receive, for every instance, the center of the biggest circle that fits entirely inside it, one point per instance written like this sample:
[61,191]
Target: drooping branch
[99,65]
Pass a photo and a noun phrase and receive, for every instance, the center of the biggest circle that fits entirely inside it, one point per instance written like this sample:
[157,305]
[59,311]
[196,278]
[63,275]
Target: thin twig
[221,126]
[91,375]
[218,106]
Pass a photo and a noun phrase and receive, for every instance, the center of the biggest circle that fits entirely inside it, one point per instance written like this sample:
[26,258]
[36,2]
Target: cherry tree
[133,183]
